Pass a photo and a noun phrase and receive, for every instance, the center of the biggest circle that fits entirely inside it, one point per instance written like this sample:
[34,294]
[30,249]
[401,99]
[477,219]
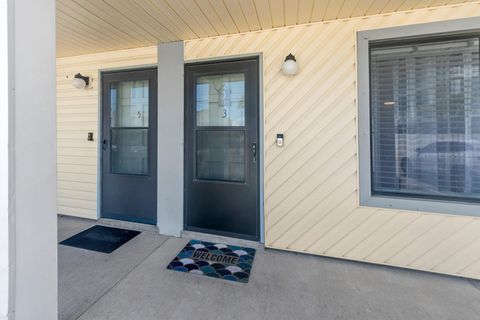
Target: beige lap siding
[77,114]
[311,185]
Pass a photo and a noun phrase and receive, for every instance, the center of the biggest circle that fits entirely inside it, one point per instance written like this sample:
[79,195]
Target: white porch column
[7,226]
[170,138]
[28,225]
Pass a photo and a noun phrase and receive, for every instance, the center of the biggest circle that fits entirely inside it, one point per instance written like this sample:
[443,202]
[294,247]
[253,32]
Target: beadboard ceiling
[91,26]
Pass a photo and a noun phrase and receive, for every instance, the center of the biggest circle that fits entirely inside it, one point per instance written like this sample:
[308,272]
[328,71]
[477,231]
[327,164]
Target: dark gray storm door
[222,153]
[129,146]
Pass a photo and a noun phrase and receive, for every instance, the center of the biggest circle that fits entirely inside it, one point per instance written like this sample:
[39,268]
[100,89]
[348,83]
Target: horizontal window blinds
[425,118]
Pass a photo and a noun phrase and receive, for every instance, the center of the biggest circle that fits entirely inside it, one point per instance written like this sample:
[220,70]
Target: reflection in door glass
[129,151]
[220,100]
[221,155]
[129,102]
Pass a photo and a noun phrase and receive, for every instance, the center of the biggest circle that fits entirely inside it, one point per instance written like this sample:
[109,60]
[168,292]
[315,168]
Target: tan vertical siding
[311,191]
[77,114]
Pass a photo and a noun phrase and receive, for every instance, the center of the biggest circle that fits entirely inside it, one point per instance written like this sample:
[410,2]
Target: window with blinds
[425,118]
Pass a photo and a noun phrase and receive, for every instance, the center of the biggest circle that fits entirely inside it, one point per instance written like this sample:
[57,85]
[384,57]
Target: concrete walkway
[133,283]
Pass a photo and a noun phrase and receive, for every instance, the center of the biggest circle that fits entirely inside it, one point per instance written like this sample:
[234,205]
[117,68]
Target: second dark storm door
[221,148]
[129,146]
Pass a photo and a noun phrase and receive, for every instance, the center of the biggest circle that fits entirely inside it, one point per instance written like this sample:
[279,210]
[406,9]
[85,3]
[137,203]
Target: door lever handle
[104,144]
[254,152]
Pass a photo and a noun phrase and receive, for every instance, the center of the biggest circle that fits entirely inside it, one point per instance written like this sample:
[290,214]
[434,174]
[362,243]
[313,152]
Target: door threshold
[128,225]
[220,239]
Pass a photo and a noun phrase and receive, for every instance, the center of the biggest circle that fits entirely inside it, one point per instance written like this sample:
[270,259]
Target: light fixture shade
[290,66]
[80,81]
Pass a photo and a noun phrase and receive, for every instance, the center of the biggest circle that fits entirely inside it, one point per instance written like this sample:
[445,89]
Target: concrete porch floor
[133,283]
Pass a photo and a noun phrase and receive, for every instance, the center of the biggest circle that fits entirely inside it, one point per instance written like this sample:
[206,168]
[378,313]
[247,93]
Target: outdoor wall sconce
[80,81]
[290,66]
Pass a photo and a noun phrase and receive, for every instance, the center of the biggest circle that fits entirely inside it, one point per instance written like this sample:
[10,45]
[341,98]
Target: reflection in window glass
[425,106]
[220,100]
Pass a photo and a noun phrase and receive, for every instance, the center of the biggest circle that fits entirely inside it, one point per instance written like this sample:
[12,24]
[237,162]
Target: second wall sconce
[290,66]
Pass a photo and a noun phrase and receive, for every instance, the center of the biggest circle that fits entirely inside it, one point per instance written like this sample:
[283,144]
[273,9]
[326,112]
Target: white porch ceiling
[91,26]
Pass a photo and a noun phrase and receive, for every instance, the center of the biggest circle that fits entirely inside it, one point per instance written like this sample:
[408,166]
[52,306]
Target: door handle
[104,144]
[254,152]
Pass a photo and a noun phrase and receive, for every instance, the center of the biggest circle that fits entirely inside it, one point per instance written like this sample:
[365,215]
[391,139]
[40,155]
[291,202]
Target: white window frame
[366,198]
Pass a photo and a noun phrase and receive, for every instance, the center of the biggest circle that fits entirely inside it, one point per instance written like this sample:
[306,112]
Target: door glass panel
[129,151]
[220,100]
[129,102]
[221,155]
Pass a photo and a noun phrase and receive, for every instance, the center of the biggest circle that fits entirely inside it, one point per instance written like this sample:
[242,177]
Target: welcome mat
[101,239]
[215,260]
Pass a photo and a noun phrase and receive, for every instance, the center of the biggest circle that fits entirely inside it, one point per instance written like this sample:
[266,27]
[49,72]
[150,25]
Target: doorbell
[279,140]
